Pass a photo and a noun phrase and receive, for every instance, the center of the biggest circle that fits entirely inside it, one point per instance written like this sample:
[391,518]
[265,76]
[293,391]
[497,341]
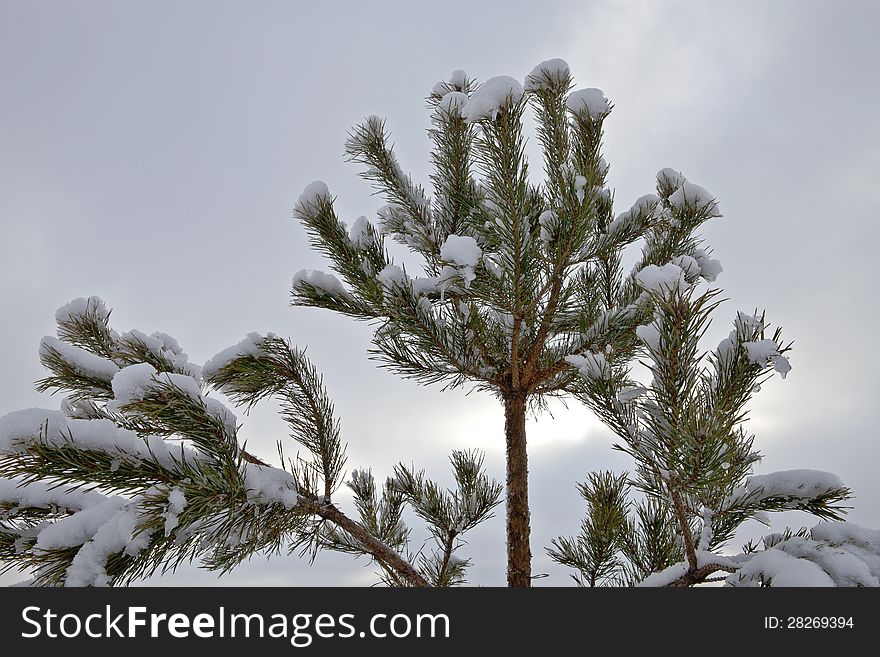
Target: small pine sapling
[693,485]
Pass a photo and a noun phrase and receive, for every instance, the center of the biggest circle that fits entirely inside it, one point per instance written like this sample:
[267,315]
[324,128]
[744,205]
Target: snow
[547,220]
[503,319]
[547,74]
[81,307]
[675,571]
[423,285]
[839,533]
[709,267]
[452,103]
[135,385]
[835,554]
[706,558]
[644,208]
[579,183]
[591,102]
[464,253]
[105,436]
[116,534]
[746,324]
[664,577]
[844,568]
[37,494]
[268,485]
[130,384]
[461,250]
[670,178]
[493,94]
[706,531]
[758,352]
[78,408]
[761,351]
[310,195]
[135,382]
[360,233]
[458,78]
[325,283]
[171,350]
[590,365]
[725,350]
[36,425]
[25,426]
[176,505]
[646,204]
[177,500]
[688,265]
[165,347]
[449,274]
[392,276]
[83,362]
[662,279]
[167,342]
[218,410]
[797,484]
[153,345]
[780,569]
[251,345]
[862,543]
[80,527]
[691,195]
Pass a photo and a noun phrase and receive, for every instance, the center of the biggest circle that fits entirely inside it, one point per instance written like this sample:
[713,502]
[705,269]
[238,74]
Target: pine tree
[141,470]
[692,488]
[519,278]
[524,296]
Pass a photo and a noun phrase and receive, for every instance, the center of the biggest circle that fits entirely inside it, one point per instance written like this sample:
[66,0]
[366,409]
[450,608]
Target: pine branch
[409,216]
[274,368]
[370,544]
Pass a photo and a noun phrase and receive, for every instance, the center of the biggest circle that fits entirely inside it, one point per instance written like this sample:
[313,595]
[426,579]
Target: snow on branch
[18,495]
[80,361]
[789,489]
[493,96]
[590,103]
[549,74]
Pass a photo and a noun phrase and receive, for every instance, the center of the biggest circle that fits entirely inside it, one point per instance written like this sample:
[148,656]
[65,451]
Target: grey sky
[150,154]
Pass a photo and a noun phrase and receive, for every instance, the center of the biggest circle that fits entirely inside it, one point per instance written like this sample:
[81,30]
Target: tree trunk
[519,554]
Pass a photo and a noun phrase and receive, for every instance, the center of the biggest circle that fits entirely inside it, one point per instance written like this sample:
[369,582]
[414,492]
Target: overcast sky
[150,154]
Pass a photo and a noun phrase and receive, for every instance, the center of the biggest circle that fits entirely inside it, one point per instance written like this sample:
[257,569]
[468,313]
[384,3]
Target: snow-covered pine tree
[141,470]
[693,484]
[524,296]
[517,277]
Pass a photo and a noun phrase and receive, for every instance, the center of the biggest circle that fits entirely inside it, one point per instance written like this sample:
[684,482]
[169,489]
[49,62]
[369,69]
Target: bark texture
[519,553]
